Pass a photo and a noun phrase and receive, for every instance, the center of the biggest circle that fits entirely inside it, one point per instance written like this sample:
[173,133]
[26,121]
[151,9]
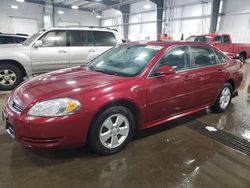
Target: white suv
[53,49]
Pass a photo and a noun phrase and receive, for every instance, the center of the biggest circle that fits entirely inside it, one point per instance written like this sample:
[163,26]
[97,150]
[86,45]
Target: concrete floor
[171,155]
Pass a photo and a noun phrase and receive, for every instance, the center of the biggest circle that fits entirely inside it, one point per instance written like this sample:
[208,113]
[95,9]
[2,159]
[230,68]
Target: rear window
[226,40]
[103,38]
[204,39]
[20,39]
[6,40]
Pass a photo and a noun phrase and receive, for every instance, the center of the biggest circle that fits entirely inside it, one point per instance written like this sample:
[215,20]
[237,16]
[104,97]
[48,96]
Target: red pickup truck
[224,43]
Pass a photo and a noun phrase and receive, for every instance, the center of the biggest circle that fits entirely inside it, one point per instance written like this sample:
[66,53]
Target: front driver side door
[170,95]
[53,54]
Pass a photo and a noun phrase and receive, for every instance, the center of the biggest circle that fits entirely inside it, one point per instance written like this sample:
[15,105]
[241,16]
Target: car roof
[89,28]
[13,35]
[169,43]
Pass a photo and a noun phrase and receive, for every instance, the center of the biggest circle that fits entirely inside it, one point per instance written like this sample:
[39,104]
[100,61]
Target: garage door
[24,25]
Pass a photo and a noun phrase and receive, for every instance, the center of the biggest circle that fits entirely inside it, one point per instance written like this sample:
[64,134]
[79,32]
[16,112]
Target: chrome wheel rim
[114,131]
[7,77]
[225,97]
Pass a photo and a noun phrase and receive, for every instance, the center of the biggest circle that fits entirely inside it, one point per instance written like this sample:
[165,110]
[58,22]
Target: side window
[176,57]
[1,40]
[103,38]
[220,56]
[226,40]
[20,39]
[7,40]
[217,39]
[202,56]
[81,38]
[54,39]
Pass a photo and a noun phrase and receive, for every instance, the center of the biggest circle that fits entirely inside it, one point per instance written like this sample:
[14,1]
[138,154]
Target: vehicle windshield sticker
[154,47]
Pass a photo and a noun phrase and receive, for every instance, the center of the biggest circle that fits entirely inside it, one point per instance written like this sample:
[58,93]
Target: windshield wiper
[105,71]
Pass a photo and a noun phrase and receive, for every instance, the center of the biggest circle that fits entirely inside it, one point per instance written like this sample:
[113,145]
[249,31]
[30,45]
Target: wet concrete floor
[170,155]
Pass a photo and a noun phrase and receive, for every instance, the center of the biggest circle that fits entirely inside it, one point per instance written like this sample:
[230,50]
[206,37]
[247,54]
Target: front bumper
[39,132]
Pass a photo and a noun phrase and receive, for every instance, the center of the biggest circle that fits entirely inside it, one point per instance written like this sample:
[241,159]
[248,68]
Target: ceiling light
[21,1]
[14,6]
[74,7]
[60,12]
[98,16]
[147,6]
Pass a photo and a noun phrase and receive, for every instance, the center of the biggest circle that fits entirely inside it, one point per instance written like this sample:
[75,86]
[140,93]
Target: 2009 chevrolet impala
[132,86]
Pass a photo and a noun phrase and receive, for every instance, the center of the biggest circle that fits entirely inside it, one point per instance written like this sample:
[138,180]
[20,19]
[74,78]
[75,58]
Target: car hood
[62,83]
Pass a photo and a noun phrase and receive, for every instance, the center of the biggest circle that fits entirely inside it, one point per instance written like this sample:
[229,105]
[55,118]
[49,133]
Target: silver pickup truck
[53,49]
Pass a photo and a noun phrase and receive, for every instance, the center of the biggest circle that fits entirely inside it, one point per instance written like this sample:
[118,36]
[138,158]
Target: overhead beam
[160,8]
[105,2]
[214,15]
[125,9]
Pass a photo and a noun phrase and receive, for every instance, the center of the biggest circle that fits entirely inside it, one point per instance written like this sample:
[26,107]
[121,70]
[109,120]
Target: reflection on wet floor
[176,157]
[237,119]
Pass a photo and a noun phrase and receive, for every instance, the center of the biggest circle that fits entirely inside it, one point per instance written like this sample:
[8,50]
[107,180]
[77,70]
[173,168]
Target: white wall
[235,20]
[142,21]
[75,16]
[186,17]
[25,10]
[112,18]
[36,12]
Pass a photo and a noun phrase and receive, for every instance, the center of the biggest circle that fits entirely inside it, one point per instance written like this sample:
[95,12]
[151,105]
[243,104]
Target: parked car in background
[224,43]
[132,86]
[7,38]
[53,49]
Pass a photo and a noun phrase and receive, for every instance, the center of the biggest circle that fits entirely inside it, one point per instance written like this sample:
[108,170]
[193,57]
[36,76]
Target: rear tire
[224,99]
[10,76]
[112,130]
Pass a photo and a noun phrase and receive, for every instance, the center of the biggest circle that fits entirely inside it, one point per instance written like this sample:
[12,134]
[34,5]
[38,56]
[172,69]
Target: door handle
[187,78]
[91,50]
[61,51]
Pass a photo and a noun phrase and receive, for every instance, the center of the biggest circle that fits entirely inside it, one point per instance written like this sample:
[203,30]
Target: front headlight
[55,107]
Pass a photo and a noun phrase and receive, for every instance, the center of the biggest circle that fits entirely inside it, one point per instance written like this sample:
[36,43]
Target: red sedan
[132,86]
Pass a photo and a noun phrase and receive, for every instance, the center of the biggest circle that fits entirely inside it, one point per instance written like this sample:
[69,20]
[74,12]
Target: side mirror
[164,70]
[38,43]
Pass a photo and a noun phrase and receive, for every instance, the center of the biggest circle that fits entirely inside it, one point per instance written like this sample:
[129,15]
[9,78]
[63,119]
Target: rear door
[208,74]
[53,54]
[104,40]
[81,47]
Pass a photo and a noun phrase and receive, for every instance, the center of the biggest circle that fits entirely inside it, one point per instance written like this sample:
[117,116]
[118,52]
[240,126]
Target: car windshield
[125,60]
[204,39]
[29,40]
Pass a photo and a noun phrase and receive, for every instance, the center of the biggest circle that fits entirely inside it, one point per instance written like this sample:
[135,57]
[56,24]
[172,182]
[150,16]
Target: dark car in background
[7,38]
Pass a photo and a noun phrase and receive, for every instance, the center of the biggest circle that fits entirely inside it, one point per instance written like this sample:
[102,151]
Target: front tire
[112,130]
[10,76]
[224,99]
